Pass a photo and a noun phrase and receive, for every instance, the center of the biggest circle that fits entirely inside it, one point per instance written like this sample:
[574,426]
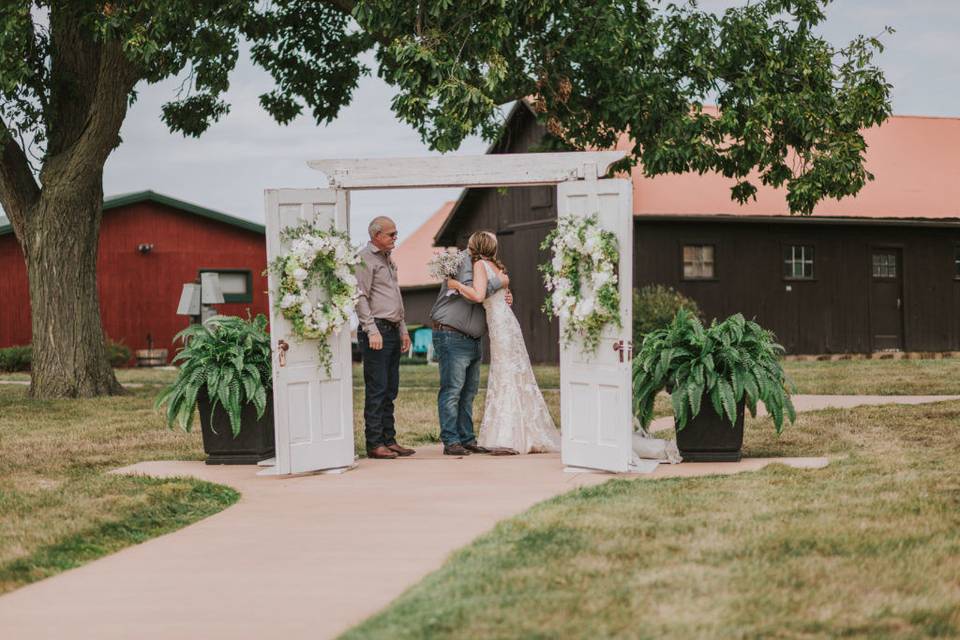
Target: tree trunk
[69,351]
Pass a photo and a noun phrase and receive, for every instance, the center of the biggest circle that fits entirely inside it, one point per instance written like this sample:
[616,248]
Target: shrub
[654,307]
[15,359]
[19,358]
[118,353]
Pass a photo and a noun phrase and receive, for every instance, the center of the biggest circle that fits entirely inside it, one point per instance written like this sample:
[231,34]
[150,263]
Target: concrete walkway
[304,557]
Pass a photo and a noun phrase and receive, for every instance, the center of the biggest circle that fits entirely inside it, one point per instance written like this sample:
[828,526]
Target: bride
[515,416]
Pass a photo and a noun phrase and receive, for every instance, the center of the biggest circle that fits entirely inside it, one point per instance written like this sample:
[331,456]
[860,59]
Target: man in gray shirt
[458,326]
[383,337]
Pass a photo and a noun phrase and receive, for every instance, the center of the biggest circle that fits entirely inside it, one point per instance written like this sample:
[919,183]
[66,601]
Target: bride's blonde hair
[482,245]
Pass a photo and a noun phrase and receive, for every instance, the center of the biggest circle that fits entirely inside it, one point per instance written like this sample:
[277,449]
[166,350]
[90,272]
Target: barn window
[236,284]
[698,262]
[798,262]
[884,265]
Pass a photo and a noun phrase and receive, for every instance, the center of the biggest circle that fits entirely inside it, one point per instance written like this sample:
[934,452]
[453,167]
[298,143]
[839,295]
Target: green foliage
[321,260]
[229,358]
[729,362]
[791,106]
[15,358]
[654,307]
[118,353]
[19,358]
[581,278]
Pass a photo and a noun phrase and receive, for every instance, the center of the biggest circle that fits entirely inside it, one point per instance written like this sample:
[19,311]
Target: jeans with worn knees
[459,357]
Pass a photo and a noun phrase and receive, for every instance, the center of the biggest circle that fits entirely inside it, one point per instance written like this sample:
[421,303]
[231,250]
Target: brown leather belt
[439,326]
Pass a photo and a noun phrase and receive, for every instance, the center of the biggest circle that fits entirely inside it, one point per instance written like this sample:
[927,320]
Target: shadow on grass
[169,504]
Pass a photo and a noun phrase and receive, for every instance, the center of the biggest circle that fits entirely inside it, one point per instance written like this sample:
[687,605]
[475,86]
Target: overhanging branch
[18,188]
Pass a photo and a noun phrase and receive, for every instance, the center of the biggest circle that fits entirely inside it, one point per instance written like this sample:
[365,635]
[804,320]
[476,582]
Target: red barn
[150,245]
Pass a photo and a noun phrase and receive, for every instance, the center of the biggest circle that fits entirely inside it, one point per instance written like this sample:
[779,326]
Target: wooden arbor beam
[496,170]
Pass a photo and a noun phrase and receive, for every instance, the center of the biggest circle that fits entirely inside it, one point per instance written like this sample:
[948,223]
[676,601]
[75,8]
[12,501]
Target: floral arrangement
[581,278]
[444,264]
[317,259]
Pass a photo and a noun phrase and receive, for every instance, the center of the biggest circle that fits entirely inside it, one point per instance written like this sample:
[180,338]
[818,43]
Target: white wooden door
[595,388]
[313,411]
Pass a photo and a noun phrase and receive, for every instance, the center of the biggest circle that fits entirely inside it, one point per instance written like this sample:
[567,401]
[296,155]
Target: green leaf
[727,400]
[679,400]
[694,396]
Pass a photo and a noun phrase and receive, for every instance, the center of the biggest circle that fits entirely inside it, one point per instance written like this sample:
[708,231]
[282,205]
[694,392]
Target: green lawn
[58,507]
[883,377]
[867,548]
[886,377]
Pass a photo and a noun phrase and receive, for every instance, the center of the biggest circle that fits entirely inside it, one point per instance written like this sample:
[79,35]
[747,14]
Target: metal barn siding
[139,291]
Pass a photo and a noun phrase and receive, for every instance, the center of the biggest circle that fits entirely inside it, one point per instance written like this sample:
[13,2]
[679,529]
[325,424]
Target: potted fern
[225,374]
[712,374]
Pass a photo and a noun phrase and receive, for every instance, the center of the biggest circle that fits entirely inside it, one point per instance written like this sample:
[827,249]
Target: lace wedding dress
[515,416]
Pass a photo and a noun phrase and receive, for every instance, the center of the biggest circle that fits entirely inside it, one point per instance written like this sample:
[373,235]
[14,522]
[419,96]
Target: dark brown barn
[877,272]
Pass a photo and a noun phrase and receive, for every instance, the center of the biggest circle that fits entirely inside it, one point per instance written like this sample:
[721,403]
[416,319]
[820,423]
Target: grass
[58,507]
[883,377]
[867,548]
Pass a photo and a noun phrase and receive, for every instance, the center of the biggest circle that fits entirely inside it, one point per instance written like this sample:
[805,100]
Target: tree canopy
[791,105]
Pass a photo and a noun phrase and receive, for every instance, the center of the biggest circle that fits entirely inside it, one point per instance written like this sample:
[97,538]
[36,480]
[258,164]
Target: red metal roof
[915,161]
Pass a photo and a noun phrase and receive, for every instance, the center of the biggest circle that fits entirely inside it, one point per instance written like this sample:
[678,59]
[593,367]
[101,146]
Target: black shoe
[475,448]
[455,450]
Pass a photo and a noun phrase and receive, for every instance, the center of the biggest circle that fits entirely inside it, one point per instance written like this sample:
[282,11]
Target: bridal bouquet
[444,264]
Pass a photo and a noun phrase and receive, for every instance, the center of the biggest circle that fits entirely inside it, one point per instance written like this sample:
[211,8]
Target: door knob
[282,356]
[618,347]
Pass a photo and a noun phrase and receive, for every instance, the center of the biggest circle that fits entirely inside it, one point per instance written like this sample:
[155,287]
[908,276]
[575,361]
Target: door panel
[595,388]
[313,411]
[886,299]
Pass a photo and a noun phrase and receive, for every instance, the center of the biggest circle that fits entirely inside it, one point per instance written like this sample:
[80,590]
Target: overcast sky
[246,152]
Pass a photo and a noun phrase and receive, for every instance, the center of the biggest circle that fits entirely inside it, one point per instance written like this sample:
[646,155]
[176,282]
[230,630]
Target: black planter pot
[254,442]
[710,437]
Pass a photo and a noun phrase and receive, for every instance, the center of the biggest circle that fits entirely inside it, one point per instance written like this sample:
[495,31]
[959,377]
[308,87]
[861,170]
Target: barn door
[313,411]
[886,299]
[595,388]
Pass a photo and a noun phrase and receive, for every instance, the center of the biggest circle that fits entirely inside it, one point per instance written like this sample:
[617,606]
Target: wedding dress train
[515,415]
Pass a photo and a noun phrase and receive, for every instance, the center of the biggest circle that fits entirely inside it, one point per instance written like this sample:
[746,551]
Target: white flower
[289,300]
[592,244]
[300,274]
[306,308]
[584,308]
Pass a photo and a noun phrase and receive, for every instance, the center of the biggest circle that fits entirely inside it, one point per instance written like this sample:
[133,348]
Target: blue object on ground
[421,339]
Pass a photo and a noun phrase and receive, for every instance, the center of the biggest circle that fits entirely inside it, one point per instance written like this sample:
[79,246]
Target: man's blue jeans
[459,357]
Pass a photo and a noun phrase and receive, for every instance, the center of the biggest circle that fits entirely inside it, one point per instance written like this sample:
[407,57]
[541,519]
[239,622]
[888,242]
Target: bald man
[383,337]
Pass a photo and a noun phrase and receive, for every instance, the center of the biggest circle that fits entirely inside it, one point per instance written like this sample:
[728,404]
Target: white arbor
[313,411]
